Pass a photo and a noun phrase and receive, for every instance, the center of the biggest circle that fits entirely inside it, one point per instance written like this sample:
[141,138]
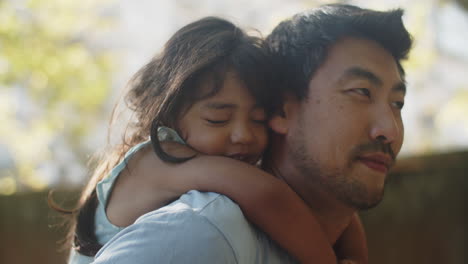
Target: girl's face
[228,123]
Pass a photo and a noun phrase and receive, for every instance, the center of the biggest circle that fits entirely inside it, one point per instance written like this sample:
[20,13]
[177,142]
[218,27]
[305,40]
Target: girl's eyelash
[216,122]
[262,121]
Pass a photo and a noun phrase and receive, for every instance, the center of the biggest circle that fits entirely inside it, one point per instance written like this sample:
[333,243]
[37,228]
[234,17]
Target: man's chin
[361,196]
[370,200]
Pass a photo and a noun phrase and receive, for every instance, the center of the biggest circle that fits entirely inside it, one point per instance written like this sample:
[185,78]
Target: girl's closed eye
[260,121]
[216,118]
[258,116]
[216,121]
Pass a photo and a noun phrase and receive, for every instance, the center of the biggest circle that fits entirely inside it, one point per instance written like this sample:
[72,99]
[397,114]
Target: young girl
[206,96]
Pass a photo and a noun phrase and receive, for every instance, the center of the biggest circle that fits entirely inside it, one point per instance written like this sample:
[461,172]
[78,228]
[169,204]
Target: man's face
[344,137]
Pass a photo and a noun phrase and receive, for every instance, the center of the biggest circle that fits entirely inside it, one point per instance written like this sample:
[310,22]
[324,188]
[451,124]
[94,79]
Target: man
[336,136]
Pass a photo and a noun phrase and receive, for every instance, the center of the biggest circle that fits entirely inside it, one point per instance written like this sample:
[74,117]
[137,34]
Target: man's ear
[279,122]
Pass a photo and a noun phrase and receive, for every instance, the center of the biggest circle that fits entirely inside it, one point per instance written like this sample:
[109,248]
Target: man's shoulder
[212,206]
[210,211]
[197,228]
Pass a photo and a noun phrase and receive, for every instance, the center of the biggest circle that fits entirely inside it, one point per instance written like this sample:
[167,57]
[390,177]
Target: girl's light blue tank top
[104,229]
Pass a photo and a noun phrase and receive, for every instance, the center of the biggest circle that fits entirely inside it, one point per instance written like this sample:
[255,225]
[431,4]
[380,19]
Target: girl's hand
[352,244]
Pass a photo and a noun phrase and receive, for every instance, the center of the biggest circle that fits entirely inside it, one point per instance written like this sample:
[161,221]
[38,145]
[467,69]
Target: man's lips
[377,161]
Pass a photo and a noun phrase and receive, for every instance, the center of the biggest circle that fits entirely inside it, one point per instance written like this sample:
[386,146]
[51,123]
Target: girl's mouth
[243,157]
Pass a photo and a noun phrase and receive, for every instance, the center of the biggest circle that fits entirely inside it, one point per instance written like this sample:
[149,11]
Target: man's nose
[386,128]
[242,134]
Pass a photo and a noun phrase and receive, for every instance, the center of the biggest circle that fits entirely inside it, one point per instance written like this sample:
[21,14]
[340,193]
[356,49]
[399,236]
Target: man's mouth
[377,161]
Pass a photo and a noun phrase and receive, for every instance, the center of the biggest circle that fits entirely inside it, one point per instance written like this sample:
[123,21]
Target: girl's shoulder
[106,183]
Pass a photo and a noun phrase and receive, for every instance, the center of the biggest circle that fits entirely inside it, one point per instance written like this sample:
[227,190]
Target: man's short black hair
[300,45]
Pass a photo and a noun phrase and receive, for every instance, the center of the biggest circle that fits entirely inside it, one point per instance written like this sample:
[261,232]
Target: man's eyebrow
[400,87]
[219,105]
[358,72]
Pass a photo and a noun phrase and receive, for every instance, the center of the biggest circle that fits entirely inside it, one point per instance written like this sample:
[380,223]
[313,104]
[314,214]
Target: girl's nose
[242,134]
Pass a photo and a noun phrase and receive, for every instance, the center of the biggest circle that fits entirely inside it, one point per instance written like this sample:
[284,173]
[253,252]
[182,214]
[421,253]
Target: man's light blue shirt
[197,228]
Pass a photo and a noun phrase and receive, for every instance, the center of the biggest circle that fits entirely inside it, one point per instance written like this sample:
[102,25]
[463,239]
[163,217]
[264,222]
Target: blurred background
[64,64]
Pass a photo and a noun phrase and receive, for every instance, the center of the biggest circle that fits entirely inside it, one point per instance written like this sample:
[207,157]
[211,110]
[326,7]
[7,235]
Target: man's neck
[332,214]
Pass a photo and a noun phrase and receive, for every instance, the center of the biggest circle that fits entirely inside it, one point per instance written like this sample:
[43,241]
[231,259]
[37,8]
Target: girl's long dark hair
[164,89]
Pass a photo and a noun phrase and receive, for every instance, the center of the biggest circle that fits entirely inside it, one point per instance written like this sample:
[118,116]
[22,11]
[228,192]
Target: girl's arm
[352,244]
[283,215]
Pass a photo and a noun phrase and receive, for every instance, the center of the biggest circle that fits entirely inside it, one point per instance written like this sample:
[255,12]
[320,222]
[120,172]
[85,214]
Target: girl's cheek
[210,144]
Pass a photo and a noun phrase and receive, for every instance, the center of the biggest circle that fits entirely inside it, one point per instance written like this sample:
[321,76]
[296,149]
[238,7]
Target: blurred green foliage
[53,81]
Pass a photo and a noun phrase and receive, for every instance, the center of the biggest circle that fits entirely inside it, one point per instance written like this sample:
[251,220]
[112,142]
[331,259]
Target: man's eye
[216,122]
[399,104]
[363,91]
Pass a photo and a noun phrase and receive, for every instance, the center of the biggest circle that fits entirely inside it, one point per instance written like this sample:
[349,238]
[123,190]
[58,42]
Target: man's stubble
[333,180]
